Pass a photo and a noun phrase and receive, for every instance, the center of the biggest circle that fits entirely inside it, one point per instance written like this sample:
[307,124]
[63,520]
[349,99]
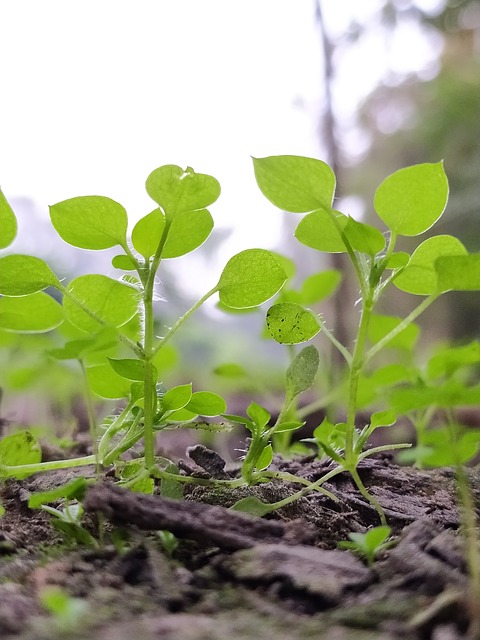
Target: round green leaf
[35,313]
[411,200]
[123,262]
[295,183]
[250,278]
[363,237]
[302,371]
[205,403]
[290,323]
[147,233]
[265,458]
[176,190]
[129,368]
[319,286]
[189,230]
[177,397]
[459,272]
[90,222]
[419,276]
[19,448]
[318,231]
[21,275]
[8,223]
[107,383]
[112,302]
[381,325]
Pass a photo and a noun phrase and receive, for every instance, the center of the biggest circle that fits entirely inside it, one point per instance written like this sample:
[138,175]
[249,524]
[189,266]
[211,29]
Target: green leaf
[35,313]
[8,223]
[441,447]
[285,427]
[398,260]
[112,302]
[382,419]
[170,488]
[447,395]
[176,190]
[123,262]
[166,358]
[295,183]
[130,368]
[78,349]
[250,278]
[90,222]
[380,326]
[450,359]
[411,200]
[74,490]
[259,415]
[290,323]
[265,458]
[147,233]
[363,237]
[21,275]
[205,403]
[302,371]
[319,231]
[2,510]
[106,383]
[320,286]
[420,276]
[18,449]
[182,415]
[252,506]
[458,273]
[188,230]
[177,397]
[230,370]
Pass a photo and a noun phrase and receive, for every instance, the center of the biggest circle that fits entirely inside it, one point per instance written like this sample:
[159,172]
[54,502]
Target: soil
[239,577]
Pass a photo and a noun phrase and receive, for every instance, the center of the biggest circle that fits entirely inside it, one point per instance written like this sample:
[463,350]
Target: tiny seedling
[67,612]
[111,320]
[408,203]
[369,544]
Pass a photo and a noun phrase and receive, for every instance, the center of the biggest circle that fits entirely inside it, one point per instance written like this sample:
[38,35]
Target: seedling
[408,202]
[67,612]
[106,313]
[369,544]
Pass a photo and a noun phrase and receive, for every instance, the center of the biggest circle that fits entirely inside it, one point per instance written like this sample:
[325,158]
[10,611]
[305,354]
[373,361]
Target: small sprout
[369,544]
[67,612]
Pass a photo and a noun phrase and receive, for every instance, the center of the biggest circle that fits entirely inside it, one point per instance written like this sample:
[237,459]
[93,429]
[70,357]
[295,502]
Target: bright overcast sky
[97,93]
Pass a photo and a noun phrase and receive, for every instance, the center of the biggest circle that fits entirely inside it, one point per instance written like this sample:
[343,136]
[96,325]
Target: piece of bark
[324,575]
[206,524]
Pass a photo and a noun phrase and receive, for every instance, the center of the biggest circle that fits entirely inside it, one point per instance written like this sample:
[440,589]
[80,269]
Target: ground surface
[236,577]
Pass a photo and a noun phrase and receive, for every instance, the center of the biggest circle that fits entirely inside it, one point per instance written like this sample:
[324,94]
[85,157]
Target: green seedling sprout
[369,544]
[67,612]
[105,311]
[408,203]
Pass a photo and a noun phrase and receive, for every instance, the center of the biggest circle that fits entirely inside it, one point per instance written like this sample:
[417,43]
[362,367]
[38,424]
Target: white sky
[97,93]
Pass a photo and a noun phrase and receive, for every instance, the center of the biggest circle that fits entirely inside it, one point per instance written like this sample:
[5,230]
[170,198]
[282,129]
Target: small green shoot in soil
[369,544]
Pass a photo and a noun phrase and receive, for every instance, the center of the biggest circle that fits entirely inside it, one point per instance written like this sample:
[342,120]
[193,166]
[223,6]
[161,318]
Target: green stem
[112,430]
[91,419]
[171,332]
[343,350]
[39,467]
[413,315]
[368,496]
[469,530]
[149,351]
[356,367]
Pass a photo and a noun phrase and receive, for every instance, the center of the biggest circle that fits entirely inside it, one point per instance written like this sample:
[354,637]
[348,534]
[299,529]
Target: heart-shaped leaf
[8,223]
[90,222]
[295,183]
[176,190]
[411,200]
[21,275]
